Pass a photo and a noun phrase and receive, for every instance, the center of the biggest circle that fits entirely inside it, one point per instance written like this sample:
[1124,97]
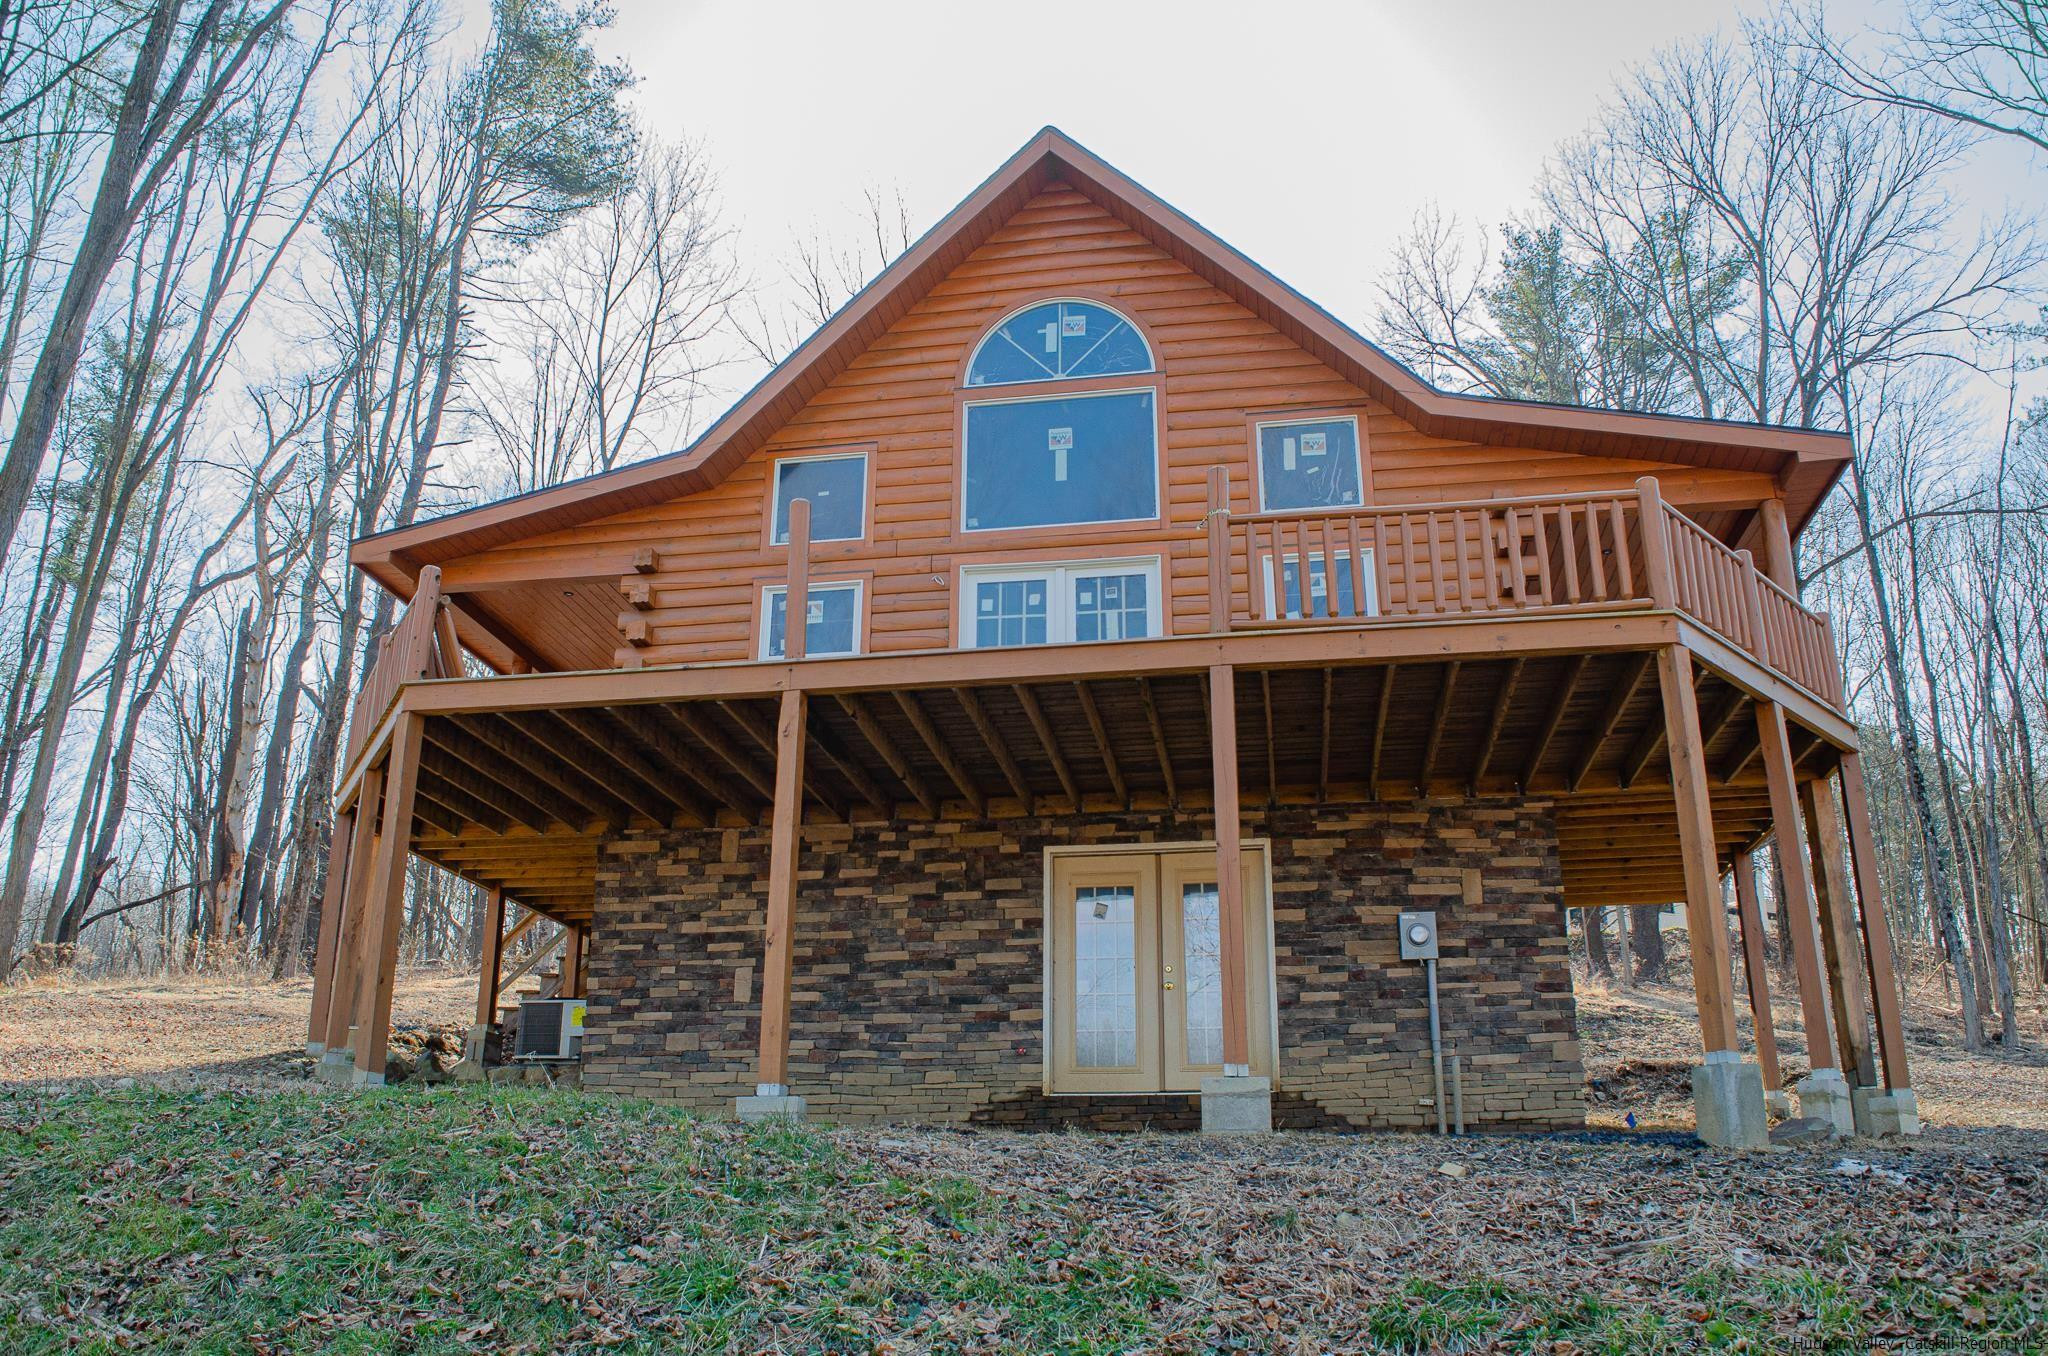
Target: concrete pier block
[1824,1096]
[1778,1103]
[1879,1111]
[1728,1101]
[1237,1105]
[771,1101]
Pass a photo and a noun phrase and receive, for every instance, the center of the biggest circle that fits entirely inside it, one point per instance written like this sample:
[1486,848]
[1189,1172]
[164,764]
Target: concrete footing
[473,1043]
[1728,1101]
[1777,1104]
[1824,1096]
[316,1048]
[1237,1105]
[1879,1111]
[336,1066]
[365,1079]
[771,1101]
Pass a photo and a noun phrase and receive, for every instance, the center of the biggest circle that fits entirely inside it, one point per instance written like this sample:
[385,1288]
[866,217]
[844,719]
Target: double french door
[1137,970]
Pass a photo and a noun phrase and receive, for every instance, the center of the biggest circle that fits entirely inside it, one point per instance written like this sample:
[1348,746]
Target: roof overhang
[1803,462]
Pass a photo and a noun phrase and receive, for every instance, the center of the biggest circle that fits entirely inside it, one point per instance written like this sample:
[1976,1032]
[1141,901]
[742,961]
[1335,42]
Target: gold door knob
[1169,984]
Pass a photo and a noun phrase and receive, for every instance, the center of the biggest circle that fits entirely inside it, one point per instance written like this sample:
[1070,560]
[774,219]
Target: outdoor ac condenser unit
[550,1028]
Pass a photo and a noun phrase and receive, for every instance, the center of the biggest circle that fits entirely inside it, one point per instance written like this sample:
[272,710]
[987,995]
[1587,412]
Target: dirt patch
[186,1029]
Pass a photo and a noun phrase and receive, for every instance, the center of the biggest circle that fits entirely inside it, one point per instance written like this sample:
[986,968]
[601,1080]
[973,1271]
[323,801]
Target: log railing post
[796,594]
[1778,559]
[1656,529]
[1753,610]
[1217,524]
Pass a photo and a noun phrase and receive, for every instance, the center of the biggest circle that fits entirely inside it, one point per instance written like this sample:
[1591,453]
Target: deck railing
[421,645]
[1553,553]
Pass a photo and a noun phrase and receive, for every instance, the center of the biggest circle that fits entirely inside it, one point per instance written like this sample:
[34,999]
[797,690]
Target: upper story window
[831,623]
[1059,341]
[1309,464]
[837,486]
[1062,460]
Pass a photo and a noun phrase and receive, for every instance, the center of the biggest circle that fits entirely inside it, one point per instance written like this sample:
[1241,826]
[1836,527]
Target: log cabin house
[1163,643]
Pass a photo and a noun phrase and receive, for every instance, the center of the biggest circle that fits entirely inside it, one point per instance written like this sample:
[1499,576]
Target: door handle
[1169,984]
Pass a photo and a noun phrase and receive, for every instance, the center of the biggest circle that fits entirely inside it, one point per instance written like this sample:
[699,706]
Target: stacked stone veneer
[919,965]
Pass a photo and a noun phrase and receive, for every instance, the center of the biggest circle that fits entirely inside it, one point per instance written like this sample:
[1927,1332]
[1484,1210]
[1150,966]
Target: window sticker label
[814,610]
[1074,326]
[1059,439]
[1314,444]
[1287,446]
[1052,337]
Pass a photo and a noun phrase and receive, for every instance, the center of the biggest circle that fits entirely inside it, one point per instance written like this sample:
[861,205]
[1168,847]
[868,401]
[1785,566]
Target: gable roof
[1805,462]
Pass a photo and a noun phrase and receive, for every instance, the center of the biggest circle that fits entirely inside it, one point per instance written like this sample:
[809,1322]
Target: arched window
[1059,341]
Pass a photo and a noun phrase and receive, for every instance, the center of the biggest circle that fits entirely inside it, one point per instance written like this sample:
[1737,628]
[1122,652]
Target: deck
[1502,647]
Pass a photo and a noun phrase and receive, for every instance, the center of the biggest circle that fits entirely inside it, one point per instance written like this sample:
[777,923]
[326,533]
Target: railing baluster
[1408,562]
[1356,565]
[1568,546]
[1544,579]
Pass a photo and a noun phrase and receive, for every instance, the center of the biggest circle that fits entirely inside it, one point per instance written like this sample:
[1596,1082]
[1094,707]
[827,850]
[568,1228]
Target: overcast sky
[1306,135]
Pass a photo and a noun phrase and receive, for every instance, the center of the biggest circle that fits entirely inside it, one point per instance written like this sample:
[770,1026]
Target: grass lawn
[524,1219]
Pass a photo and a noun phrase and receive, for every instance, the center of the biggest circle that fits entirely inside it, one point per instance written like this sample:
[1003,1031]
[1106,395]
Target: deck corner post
[344,980]
[1728,1091]
[772,1097]
[332,892]
[1217,522]
[1237,1102]
[1657,567]
[384,914]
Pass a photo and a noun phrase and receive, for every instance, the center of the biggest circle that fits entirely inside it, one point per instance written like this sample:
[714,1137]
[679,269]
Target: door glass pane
[1202,965]
[1105,977]
[1109,607]
[1319,586]
[1011,611]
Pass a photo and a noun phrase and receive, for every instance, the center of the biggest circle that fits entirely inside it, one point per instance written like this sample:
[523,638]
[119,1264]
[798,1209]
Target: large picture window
[1062,460]
[1058,341]
[833,626]
[1309,464]
[1058,604]
[836,485]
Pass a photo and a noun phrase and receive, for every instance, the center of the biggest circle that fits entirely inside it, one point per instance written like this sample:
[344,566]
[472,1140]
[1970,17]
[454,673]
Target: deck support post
[1727,1090]
[1755,974]
[384,916]
[572,963]
[332,892]
[1823,1093]
[1839,946]
[1896,1109]
[771,1090]
[1235,1103]
[337,1056]
[491,962]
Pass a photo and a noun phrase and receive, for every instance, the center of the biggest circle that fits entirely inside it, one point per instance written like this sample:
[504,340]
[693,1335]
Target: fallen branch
[134,904]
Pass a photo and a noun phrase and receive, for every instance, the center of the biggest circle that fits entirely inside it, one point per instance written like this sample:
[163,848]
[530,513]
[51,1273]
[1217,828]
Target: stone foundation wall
[918,989]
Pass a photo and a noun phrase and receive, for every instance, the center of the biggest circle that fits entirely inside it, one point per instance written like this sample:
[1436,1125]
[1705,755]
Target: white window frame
[1151,515]
[1259,428]
[768,595]
[989,336]
[1059,577]
[1368,601]
[781,538]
